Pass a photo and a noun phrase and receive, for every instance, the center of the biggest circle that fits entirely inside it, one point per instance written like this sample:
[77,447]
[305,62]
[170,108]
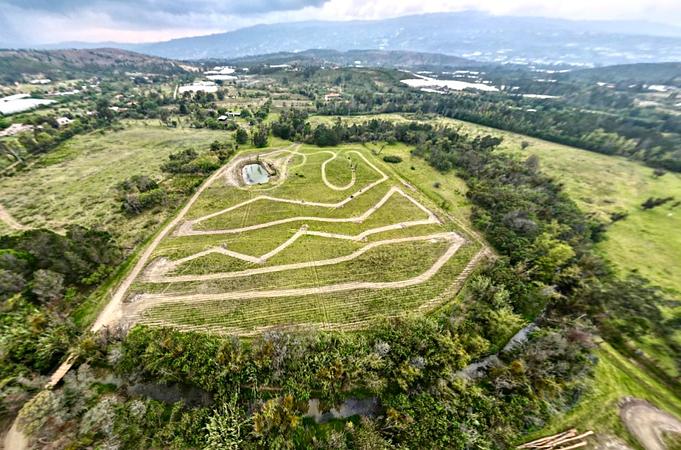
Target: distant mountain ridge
[365,58]
[472,35]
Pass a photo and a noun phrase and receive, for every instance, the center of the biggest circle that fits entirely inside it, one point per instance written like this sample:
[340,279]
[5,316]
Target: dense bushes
[392,159]
[139,193]
[43,277]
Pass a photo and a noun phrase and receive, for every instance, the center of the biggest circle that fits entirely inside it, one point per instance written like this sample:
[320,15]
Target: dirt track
[6,217]
[15,439]
[158,269]
[116,310]
[146,301]
[112,313]
[331,185]
[647,423]
[186,228]
[156,277]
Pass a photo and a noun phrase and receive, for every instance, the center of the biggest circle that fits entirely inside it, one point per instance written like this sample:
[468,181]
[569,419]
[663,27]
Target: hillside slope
[369,58]
[17,65]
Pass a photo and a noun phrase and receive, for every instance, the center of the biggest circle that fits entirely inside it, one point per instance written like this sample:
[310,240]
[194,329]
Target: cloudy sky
[51,21]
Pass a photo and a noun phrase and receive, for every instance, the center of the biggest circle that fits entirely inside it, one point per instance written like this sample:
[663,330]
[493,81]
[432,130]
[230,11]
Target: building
[63,121]
[15,128]
[331,96]
[199,86]
[229,115]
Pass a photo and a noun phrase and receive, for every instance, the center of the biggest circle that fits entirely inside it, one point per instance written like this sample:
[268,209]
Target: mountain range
[474,35]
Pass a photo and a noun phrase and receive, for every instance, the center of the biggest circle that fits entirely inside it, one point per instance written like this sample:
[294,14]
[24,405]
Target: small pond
[255,174]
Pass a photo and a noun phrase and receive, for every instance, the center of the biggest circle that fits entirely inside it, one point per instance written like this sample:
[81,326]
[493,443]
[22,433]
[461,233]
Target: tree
[260,136]
[104,113]
[47,285]
[225,427]
[275,422]
[241,136]
[10,283]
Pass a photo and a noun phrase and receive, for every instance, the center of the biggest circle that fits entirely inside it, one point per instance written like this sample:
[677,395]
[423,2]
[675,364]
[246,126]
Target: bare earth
[648,423]
[6,217]
[14,439]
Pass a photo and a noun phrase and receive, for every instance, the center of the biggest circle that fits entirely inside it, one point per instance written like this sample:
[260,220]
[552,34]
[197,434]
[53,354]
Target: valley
[306,227]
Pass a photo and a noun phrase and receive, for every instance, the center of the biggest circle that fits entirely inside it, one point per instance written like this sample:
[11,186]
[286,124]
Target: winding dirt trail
[145,301]
[112,313]
[116,309]
[648,423]
[157,276]
[330,185]
[186,229]
[15,439]
[6,217]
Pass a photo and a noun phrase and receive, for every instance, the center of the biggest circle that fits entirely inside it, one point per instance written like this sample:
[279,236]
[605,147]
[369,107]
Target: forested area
[44,277]
[588,116]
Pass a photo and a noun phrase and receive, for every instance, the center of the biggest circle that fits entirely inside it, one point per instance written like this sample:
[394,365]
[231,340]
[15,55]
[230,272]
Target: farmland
[336,239]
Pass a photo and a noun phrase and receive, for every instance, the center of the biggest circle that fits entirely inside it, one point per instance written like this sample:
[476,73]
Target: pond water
[255,174]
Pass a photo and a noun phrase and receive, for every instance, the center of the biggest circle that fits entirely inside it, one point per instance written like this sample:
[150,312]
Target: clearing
[334,240]
[75,184]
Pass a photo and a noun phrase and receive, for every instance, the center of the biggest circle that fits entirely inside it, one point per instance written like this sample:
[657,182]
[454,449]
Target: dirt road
[156,277]
[648,423]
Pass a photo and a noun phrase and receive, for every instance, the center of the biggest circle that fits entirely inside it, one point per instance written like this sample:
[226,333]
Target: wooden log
[575,438]
[552,442]
[577,445]
[533,444]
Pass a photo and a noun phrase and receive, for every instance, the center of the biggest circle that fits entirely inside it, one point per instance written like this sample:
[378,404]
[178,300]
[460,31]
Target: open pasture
[334,240]
[76,183]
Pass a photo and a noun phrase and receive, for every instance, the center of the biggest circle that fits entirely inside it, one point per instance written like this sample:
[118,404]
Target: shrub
[652,202]
[392,159]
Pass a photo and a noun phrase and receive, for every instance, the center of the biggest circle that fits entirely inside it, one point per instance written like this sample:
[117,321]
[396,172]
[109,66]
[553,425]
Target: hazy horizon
[36,22]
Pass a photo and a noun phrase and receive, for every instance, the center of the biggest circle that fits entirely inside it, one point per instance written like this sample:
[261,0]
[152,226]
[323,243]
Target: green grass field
[340,235]
[646,241]
[75,184]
